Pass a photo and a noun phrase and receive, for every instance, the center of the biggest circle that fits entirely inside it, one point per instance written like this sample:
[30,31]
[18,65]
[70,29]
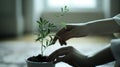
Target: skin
[72,56]
[103,26]
[103,56]
[69,32]
[69,55]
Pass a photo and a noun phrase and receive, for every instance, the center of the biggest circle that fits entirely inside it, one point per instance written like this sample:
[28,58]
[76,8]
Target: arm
[73,57]
[103,26]
[101,57]
[70,31]
[82,29]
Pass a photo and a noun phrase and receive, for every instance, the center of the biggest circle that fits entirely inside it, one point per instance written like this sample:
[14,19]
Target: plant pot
[36,61]
[39,64]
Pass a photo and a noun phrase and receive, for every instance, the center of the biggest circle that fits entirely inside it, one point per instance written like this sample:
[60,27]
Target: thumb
[59,59]
[62,42]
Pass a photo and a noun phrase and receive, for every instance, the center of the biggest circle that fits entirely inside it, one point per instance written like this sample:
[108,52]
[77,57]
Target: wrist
[85,62]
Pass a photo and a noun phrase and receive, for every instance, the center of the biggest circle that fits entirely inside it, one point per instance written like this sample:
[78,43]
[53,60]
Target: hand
[69,55]
[69,32]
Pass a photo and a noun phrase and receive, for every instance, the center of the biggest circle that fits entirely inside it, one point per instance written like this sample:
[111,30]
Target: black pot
[39,64]
[39,61]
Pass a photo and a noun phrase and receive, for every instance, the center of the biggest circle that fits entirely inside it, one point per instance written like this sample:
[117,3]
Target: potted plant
[45,38]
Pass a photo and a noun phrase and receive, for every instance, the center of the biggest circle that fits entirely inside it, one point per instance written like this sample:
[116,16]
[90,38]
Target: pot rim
[38,62]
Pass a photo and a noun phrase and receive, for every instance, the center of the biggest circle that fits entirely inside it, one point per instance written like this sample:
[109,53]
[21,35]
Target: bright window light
[72,3]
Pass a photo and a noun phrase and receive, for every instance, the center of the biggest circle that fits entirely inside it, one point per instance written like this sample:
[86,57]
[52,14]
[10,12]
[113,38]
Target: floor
[14,51]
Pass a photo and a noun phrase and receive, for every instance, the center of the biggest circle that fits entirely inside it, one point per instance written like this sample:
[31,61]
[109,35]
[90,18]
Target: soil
[38,58]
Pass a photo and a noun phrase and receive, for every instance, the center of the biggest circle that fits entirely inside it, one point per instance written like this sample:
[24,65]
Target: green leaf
[38,38]
[44,46]
[51,39]
[46,22]
[65,7]
[51,25]
[44,30]
[38,22]
[47,32]
[41,19]
[47,42]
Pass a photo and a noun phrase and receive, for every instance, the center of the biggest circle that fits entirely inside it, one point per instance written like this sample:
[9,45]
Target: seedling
[44,33]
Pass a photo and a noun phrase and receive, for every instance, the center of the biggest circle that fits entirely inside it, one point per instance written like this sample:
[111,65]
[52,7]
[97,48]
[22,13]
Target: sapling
[45,37]
[44,32]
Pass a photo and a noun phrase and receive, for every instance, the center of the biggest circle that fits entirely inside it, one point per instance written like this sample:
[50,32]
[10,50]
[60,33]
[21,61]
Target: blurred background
[18,17]
[18,24]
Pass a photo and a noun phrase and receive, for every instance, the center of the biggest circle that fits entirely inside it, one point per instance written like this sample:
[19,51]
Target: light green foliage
[44,31]
[63,24]
[64,10]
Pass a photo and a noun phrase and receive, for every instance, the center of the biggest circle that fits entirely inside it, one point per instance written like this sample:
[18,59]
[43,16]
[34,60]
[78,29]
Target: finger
[57,36]
[65,59]
[60,34]
[59,59]
[63,38]
[62,53]
[59,52]
[62,42]
[69,36]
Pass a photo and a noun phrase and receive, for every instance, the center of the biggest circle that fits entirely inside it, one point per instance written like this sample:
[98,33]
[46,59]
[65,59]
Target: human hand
[70,31]
[69,55]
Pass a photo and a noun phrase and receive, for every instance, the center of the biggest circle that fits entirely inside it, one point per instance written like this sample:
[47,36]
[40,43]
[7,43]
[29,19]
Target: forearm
[103,26]
[80,29]
[103,56]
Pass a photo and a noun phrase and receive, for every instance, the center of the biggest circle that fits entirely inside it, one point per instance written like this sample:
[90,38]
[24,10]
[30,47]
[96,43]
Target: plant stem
[42,47]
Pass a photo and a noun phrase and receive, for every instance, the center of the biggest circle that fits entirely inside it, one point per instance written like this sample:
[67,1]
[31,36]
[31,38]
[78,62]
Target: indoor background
[18,26]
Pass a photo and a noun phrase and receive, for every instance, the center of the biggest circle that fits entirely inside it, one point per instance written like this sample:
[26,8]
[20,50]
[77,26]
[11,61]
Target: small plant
[44,30]
[45,37]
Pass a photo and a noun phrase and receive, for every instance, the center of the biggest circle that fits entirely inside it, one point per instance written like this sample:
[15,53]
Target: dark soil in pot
[39,61]
[38,58]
